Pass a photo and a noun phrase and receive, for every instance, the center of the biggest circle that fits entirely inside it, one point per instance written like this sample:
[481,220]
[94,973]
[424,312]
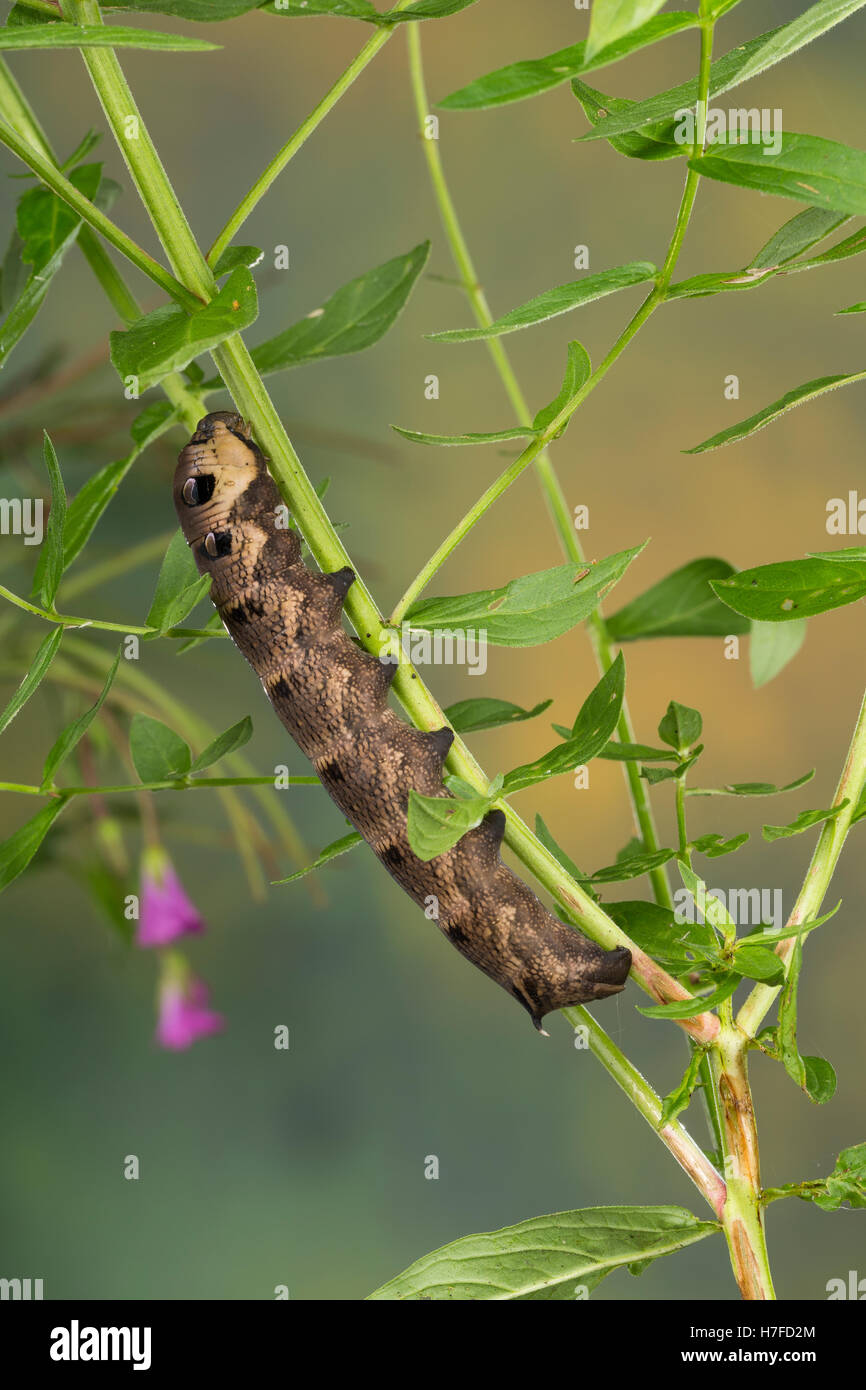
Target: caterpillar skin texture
[333,699]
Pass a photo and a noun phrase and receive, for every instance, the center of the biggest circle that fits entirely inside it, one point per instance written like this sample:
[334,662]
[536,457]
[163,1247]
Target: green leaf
[493,437]
[680,605]
[635,753]
[214,627]
[168,339]
[797,235]
[847,1182]
[53,549]
[752,788]
[543,834]
[226,743]
[355,317]
[424,9]
[436,823]
[91,36]
[158,753]
[680,727]
[340,9]
[187,9]
[592,729]
[824,173]
[793,589]
[772,646]
[631,866]
[19,849]
[701,1004]
[578,370]
[802,928]
[527,611]
[611,20]
[233,256]
[809,391]
[42,660]
[679,1098]
[715,845]
[729,71]
[804,821]
[70,736]
[46,228]
[547,1256]
[853,309]
[656,930]
[758,962]
[814,1075]
[714,912]
[535,75]
[179,586]
[329,852]
[470,716]
[651,142]
[550,303]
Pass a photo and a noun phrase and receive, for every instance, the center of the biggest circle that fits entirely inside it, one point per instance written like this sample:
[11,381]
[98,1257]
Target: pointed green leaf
[793,589]
[70,736]
[233,256]
[470,716]
[547,1256]
[527,611]
[559,854]
[19,849]
[535,75]
[52,548]
[168,339]
[823,173]
[680,605]
[752,788]
[226,743]
[578,370]
[158,753]
[42,660]
[678,1100]
[329,852]
[804,821]
[560,300]
[772,646]
[635,753]
[809,391]
[592,729]
[680,727]
[179,586]
[700,1004]
[632,866]
[611,20]
[715,845]
[436,823]
[814,1075]
[354,318]
[650,142]
[90,36]
[493,437]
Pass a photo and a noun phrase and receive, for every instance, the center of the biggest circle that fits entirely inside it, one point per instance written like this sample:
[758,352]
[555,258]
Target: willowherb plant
[241,542]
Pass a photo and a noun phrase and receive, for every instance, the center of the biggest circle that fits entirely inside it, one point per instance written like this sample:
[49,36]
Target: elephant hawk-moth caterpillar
[333,698]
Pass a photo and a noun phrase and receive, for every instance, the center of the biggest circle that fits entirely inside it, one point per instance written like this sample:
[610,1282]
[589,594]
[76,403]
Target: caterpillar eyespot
[332,697]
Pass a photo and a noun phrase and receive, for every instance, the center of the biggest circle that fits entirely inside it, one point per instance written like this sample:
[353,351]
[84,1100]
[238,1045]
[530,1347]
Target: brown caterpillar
[332,697]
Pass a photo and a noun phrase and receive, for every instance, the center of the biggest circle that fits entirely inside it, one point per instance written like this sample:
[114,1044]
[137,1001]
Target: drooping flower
[184,1016]
[165,910]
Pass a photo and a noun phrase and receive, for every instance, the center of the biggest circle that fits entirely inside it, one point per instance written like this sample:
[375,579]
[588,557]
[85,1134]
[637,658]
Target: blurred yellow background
[306,1168]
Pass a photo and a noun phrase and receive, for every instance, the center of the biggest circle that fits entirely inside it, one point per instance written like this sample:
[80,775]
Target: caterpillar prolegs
[333,699]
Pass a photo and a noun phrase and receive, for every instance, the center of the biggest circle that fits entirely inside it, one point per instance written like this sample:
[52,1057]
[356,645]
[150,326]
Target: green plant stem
[179,784]
[821,869]
[681,820]
[65,620]
[89,213]
[299,138]
[674,1136]
[742,1214]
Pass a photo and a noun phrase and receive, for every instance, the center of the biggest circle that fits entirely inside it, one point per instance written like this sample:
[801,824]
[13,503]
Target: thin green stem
[89,213]
[821,869]
[288,151]
[65,620]
[673,1135]
[176,785]
[681,820]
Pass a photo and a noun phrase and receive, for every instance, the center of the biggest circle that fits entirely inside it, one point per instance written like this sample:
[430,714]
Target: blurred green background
[306,1167]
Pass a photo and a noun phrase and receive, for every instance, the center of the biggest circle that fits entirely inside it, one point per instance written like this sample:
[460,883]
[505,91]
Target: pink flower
[183,1013]
[166,911]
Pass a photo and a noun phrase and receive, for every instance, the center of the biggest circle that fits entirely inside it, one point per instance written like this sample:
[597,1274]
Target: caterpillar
[332,697]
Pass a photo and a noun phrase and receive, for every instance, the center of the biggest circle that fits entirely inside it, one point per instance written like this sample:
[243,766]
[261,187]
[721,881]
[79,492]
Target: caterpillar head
[226,502]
